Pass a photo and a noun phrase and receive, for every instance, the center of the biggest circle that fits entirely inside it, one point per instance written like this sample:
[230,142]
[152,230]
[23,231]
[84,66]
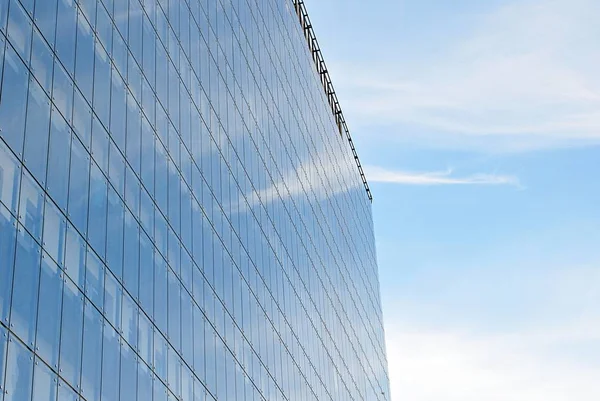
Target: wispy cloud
[379,174]
[524,70]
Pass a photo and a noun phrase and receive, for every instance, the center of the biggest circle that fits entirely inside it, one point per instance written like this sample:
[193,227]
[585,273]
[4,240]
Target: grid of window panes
[179,216]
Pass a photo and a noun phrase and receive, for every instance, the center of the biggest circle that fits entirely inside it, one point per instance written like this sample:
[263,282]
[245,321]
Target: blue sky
[479,125]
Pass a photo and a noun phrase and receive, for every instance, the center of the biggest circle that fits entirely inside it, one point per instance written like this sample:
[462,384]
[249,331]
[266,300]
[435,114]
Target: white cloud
[550,351]
[525,69]
[378,174]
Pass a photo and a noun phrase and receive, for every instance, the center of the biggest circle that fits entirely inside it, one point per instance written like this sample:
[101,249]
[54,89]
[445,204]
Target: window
[37,129]
[25,287]
[13,102]
[19,372]
[49,311]
[31,206]
[58,160]
[71,337]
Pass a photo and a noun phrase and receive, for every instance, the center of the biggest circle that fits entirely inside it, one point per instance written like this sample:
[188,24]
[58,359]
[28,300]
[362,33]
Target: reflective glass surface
[180,218]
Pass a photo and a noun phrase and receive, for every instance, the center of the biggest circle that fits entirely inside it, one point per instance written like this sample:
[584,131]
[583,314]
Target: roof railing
[317,57]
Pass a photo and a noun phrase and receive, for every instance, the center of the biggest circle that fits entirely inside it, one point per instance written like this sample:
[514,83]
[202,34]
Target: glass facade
[179,217]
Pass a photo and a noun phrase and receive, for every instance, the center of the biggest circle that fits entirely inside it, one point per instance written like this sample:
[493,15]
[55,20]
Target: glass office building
[181,214]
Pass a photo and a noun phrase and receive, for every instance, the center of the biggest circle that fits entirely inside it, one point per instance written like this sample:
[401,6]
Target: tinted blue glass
[3,347]
[42,64]
[145,338]
[49,311]
[31,206]
[79,180]
[45,19]
[19,30]
[100,145]
[19,372]
[82,118]
[129,317]
[131,259]
[62,90]
[84,61]
[144,382]
[75,255]
[116,170]
[13,102]
[111,361]
[112,300]
[66,393]
[174,372]
[10,179]
[91,369]
[58,160]
[35,155]
[118,113]
[44,382]
[160,292]
[94,279]
[160,356]
[114,233]
[25,287]
[71,333]
[66,26]
[128,373]
[98,210]
[101,101]
[88,7]
[55,231]
[174,310]
[146,275]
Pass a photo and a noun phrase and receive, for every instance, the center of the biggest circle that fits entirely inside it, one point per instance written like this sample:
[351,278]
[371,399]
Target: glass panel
[160,292]
[75,257]
[160,356]
[116,169]
[19,30]
[144,383]
[187,322]
[100,145]
[114,233]
[84,62]
[174,372]
[49,311]
[89,9]
[110,364]
[147,213]
[66,26]
[132,192]
[3,347]
[210,350]
[8,233]
[66,393]
[58,160]
[91,373]
[104,27]
[147,275]
[160,391]
[42,64]
[94,279]
[45,19]
[55,231]
[10,179]
[112,300]
[44,382]
[12,107]
[145,338]
[19,372]
[101,102]
[25,287]
[31,206]
[134,133]
[98,209]
[79,186]
[71,333]
[82,119]
[131,260]
[118,111]
[174,310]
[35,154]
[148,140]
[128,373]
[130,321]
[62,90]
